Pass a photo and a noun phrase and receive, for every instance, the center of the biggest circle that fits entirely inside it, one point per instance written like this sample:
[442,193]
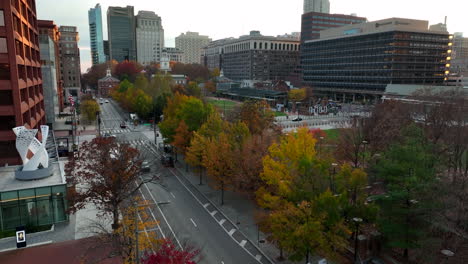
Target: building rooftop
[384,25]
[8,182]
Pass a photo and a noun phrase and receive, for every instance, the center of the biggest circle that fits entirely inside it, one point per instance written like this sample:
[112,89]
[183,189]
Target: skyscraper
[21,94]
[95,34]
[149,37]
[121,30]
[49,46]
[320,6]
[70,61]
[191,43]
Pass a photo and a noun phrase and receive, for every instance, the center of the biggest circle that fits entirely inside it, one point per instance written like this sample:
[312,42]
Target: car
[123,125]
[297,119]
[145,167]
[107,101]
[167,161]
[108,135]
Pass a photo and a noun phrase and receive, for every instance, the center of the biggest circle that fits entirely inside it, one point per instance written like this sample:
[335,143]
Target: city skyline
[217,24]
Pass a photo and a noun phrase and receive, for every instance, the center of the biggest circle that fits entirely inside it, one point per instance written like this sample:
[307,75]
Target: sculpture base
[33,175]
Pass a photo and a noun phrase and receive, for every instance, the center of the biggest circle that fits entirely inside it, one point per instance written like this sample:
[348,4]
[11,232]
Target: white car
[107,101]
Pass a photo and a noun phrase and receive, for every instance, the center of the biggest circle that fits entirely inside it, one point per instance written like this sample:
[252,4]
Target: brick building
[106,84]
[21,98]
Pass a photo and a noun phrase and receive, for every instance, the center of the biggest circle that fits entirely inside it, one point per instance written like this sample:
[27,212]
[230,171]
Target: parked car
[123,125]
[107,101]
[167,161]
[297,119]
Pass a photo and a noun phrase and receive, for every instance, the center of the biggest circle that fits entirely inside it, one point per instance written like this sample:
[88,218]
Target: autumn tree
[196,152]
[257,116]
[105,174]
[297,95]
[219,162]
[127,70]
[89,108]
[182,138]
[352,145]
[210,86]
[168,253]
[297,192]
[137,229]
[250,155]
[193,89]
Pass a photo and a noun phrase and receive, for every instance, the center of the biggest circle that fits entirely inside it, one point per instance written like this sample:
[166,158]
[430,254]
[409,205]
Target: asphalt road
[181,215]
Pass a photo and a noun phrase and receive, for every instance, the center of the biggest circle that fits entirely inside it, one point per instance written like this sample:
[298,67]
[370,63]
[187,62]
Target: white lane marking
[242,243]
[151,211]
[222,262]
[258,257]
[232,232]
[222,221]
[214,212]
[170,228]
[206,205]
[193,222]
[172,194]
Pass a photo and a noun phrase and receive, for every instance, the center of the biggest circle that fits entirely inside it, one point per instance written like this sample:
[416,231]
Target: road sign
[20,237]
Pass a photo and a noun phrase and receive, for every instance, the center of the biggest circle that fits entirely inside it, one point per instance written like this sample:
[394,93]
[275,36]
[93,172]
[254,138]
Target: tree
[250,155]
[297,95]
[210,86]
[89,108]
[193,89]
[135,219]
[104,173]
[141,82]
[407,168]
[127,70]
[215,73]
[169,254]
[257,116]
[352,146]
[142,103]
[297,190]
[182,138]
[219,162]
[196,152]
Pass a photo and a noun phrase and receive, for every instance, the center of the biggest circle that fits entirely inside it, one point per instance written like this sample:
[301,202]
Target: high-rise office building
[149,37]
[359,61]
[21,94]
[191,44]
[320,6]
[49,37]
[313,22]
[121,33]
[460,54]
[70,67]
[254,57]
[95,35]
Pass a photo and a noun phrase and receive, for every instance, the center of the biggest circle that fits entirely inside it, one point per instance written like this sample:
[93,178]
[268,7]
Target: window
[2,19]
[3,45]
[4,71]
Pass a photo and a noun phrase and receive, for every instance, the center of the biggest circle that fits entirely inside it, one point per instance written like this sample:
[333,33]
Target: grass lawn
[223,104]
[280,113]
[332,134]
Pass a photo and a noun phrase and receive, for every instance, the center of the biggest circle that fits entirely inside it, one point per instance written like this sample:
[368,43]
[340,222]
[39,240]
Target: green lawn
[332,134]
[280,113]
[223,104]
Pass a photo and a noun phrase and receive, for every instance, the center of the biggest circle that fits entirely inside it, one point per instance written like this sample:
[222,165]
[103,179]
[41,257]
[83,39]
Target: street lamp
[357,221]
[332,185]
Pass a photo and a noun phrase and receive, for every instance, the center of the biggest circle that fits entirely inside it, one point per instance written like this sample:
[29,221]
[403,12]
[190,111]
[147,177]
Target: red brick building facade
[106,84]
[21,94]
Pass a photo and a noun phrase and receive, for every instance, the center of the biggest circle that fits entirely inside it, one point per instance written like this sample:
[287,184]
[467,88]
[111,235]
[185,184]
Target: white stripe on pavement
[193,222]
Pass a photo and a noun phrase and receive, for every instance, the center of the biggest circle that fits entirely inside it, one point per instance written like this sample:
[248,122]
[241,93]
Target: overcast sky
[232,18]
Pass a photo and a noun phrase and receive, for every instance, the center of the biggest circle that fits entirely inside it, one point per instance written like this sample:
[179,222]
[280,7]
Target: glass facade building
[121,30]
[363,61]
[95,34]
[313,22]
[33,207]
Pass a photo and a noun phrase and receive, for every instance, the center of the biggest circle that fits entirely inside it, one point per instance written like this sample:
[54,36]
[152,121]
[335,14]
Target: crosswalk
[116,131]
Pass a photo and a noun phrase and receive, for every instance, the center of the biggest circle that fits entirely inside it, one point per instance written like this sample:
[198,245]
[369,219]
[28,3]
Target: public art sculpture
[33,153]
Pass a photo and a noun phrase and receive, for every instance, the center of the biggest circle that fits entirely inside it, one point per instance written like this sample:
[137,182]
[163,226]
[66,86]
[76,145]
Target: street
[183,215]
